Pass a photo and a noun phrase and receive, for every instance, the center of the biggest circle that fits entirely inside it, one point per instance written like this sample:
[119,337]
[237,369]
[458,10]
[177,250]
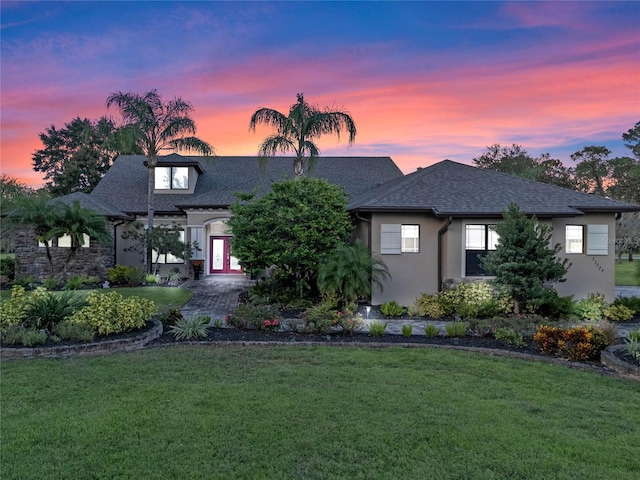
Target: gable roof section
[94,203]
[125,184]
[453,189]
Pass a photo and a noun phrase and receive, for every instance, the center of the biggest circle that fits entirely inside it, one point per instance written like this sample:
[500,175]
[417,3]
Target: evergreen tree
[524,262]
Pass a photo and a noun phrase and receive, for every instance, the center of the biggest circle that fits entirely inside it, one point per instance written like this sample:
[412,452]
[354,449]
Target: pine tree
[524,261]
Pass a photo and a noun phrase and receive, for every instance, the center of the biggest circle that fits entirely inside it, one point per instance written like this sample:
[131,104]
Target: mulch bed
[238,335]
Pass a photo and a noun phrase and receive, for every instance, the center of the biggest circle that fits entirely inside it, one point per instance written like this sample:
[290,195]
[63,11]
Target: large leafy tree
[632,140]
[291,228]
[515,160]
[12,191]
[153,125]
[523,261]
[75,157]
[592,169]
[297,131]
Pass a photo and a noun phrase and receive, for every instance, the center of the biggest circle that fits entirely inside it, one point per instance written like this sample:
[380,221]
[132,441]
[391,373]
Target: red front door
[220,258]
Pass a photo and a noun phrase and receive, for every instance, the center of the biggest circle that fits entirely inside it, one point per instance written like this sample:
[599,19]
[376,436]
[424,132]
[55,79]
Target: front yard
[291,413]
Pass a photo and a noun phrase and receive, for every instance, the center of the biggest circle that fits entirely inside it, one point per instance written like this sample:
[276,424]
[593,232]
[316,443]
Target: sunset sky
[424,81]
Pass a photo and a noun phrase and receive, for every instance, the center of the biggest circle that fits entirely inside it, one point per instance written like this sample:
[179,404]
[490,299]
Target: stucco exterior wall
[412,273]
[587,273]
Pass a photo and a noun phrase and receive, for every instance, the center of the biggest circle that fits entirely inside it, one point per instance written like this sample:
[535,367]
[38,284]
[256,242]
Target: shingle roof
[92,202]
[125,184]
[453,189]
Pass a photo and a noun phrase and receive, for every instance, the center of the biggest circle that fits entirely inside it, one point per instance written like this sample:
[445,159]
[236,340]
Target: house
[430,227]
[194,192]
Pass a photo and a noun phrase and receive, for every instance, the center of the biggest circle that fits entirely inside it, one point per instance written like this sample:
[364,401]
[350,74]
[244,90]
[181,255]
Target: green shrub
[509,336]
[377,329]
[251,315]
[407,330]
[456,329]
[326,317]
[632,347]
[592,307]
[618,313]
[50,283]
[150,279]
[632,303]
[392,309]
[431,330]
[218,323]
[8,267]
[635,335]
[12,334]
[12,310]
[25,282]
[550,304]
[190,328]
[45,309]
[109,313]
[125,275]
[429,305]
[171,316]
[473,299]
[74,283]
[31,337]
[77,332]
[415,311]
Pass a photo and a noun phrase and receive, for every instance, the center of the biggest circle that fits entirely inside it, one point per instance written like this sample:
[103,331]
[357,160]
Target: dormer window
[172,178]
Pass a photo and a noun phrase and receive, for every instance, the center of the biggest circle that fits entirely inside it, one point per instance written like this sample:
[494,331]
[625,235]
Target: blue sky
[424,81]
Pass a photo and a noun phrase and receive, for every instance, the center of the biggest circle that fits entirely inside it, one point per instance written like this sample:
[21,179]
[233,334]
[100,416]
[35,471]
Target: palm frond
[268,117]
[192,144]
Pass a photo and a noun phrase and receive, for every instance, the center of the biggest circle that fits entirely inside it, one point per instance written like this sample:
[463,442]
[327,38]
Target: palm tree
[295,132]
[152,125]
[36,210]
[350,272]
[76,222]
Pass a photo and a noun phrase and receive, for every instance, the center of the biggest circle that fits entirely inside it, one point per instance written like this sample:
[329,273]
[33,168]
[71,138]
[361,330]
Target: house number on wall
[597,264]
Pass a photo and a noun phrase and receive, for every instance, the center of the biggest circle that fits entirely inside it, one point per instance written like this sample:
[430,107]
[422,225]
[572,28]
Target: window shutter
[597,239]
[391,238]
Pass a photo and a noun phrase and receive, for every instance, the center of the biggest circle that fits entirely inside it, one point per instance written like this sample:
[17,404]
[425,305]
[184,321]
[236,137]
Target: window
[574,239]
[410,238]
[172,178]
[396,238]
[65,241]
[479,240]
[597,239]
[167,257]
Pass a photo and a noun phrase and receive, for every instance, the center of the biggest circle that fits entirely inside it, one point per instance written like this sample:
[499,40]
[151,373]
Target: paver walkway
[216,296]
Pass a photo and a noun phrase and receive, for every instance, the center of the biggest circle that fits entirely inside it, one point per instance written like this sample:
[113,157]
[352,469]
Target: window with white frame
[574,239]
[65,241]
[480,239]
[172,178]
[396,238]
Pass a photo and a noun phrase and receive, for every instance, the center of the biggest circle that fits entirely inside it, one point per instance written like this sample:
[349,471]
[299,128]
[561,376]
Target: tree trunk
[150,212]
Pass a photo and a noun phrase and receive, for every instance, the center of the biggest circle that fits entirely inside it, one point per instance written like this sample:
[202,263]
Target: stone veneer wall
[31,260]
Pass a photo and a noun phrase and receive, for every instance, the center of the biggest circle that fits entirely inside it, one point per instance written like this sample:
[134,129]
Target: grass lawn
[314,413]
[626,272]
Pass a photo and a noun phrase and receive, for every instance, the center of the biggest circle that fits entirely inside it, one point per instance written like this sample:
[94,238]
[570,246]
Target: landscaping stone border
[609,359]
[92,349]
